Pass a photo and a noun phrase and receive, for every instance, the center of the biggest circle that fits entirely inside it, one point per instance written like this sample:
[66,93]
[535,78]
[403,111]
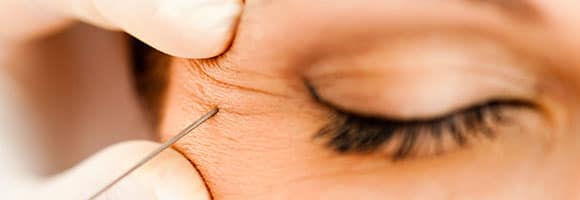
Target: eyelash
[352,133]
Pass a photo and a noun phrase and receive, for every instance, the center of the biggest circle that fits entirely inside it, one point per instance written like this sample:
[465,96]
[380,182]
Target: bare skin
[394,61]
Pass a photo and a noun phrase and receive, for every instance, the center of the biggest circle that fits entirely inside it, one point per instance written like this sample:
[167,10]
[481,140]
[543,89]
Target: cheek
[520,164]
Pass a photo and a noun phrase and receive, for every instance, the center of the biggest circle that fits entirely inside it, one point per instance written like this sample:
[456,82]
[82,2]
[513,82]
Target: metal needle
[156,152]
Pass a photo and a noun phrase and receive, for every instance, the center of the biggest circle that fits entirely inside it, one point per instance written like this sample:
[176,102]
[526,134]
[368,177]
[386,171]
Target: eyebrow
[521,9]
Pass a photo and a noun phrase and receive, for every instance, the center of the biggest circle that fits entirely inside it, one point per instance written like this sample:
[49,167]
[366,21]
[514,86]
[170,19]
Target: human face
[319,99]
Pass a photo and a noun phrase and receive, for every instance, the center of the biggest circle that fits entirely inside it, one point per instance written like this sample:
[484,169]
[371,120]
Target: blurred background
[64,97]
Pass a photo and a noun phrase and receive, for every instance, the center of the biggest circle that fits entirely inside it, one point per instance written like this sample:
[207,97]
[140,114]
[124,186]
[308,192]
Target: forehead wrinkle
[200,68]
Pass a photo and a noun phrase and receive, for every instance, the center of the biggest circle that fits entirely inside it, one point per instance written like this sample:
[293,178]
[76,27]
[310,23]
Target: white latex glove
[183,28]
[169,176]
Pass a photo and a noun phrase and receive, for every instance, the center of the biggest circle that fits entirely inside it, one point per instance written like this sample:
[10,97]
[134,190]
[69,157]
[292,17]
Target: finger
[26,20]
[167,176]
[183,28]
[86,10]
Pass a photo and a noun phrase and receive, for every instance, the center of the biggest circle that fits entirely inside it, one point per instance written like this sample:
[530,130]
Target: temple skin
[261,146]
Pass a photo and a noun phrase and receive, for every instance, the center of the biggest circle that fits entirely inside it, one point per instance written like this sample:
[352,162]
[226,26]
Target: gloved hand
[169,176]
[183,28]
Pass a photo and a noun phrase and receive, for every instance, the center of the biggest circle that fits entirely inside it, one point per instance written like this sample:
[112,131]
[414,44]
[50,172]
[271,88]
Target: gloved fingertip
[167,176]
[173,177]
[86,11]
[182,28]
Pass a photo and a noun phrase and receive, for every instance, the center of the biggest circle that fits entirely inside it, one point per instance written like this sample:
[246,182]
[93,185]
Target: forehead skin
[260,144]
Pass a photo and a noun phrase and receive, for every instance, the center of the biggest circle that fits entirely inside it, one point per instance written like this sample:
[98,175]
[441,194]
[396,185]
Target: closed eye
[348,132]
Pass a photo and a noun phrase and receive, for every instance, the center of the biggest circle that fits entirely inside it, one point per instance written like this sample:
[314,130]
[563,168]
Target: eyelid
[423,77]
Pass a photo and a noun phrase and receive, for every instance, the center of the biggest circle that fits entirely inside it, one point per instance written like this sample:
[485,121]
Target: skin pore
[504,75]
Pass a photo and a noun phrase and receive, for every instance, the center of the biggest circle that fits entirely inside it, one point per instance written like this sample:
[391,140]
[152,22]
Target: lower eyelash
[350,133]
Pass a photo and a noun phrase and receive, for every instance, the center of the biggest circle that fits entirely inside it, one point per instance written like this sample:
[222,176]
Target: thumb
[183,28]
[167,176]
